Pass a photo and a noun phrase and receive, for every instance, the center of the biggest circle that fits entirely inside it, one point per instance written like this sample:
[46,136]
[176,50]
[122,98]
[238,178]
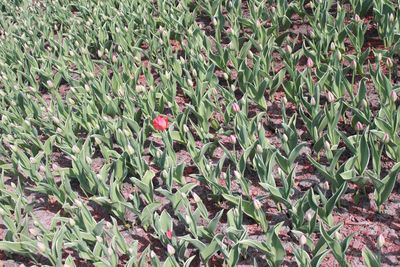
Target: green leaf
[370,259]
[382,193]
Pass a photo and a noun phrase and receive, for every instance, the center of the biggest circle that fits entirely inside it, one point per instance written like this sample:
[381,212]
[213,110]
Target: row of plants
[139,85]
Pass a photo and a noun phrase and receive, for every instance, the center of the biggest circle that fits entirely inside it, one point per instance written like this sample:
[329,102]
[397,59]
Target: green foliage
[251,102]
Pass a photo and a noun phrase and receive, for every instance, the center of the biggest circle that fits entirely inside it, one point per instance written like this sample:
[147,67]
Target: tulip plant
[196,133]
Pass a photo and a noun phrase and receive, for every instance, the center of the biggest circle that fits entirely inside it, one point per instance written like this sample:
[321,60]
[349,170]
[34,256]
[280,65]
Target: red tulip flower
[160,123]
[169,234]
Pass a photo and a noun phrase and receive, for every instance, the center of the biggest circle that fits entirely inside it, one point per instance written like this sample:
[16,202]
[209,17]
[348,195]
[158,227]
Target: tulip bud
[114,58]
[226,76]
[208,169]
[391,17]
[194,72]
[359,126]
[42,168]
[127,132]
[137,58]
[389,63]
[33,231]
[235,212]
[170,249]
[14,148]
[186,128]
[339,55]
[214,21]
[338,236]
[338,7]
[284,138]
[32,160]
[190,82]
[223,176]
[280,172]
[364,104]
[312,34]
[357,18]
[167,75]
[332,46]
[139,89]
[250,54]
[381,241]
[78,203]
[131,251]
[393,96]
[188,219]
[289,49]
[158,154]
[71,222]
[312,101]
[308,216]
[97,141]
[99,239]
[302,240]
[386,138]
[4,118]
[130,150]
[235,107]
[56,120]
[325,186]
[196,197]
[284,101]
[55,167]
[330,97]
[327,146]
[153,254]
[50,84]
[353,64]
[237,175]
[259,149]
[75,149]
[99,53]
[41,247]
[232,139]
[257,204]
[310,63]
